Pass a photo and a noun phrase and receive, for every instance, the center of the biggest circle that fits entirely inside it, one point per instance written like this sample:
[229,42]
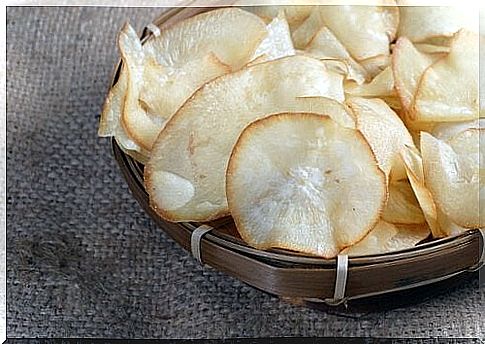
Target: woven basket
[411,274]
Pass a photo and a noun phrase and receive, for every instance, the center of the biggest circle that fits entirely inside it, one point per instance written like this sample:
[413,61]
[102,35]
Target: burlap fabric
[83,258]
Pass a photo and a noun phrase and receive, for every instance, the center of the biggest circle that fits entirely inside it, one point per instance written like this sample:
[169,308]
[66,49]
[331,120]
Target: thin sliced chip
[180,60]
[408,65]
[452,174]
[365,24]
[302,182]
[277,44]
[305,32]
[447,226]
[402,206]
[230,33]
[414,169]
[135,120]
[295,13]
[385,131]
[448,89]
[112,107]
[427,48]
[338,112]
[386,237]
[196,142]
[110,126]
[376,65]
[365,31]
[428,23]
[382,86]
[164,92]
[324,45]
[447,130]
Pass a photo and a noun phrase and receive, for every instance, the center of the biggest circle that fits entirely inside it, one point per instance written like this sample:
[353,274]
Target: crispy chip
[302,182]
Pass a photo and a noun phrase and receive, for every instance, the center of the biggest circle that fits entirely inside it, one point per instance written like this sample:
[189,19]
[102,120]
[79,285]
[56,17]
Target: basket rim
[280,273]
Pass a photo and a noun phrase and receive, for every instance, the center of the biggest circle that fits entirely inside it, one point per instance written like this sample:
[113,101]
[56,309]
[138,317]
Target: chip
[365,31]
[452,174]
[110,121]
[448,89]
[382,86]
[324,45]
[402,206]
[180,60]
[295,13]
[196,143]
[408,65]
[434,23]
[302,122]
[386,237]
[277,43]
[385,131]
[414,169]
[302,182]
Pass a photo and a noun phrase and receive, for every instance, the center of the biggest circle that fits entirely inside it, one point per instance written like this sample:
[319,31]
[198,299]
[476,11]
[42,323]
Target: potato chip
[196,143]
[402,206]
[302,182]
[386,237]
[231,34]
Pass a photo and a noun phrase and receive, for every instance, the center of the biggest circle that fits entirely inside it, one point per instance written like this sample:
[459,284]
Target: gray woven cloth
[84,260]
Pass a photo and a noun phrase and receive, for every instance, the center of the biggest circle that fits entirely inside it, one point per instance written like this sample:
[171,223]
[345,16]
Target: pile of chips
[319,129]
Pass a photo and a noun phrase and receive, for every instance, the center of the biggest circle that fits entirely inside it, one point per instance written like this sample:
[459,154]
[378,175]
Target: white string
[340,281]
[195,241]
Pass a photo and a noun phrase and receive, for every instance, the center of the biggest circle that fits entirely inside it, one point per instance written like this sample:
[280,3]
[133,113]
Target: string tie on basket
[195,241]
[340,284]
[155,30]
[340,281]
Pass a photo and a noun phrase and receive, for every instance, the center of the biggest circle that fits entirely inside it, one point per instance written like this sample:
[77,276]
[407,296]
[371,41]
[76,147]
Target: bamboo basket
[366,282]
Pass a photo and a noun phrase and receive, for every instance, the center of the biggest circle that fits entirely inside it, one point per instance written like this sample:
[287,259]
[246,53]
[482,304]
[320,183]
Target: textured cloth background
[83,258]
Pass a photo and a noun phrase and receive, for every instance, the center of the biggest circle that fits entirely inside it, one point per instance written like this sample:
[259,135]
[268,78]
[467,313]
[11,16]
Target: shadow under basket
[345,284]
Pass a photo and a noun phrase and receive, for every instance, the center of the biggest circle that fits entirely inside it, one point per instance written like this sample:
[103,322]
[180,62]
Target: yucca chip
[452,174]
[385,131]
[448,89]
[402,207]
[434,23]
[302,182]
[196,143]
[386,237]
